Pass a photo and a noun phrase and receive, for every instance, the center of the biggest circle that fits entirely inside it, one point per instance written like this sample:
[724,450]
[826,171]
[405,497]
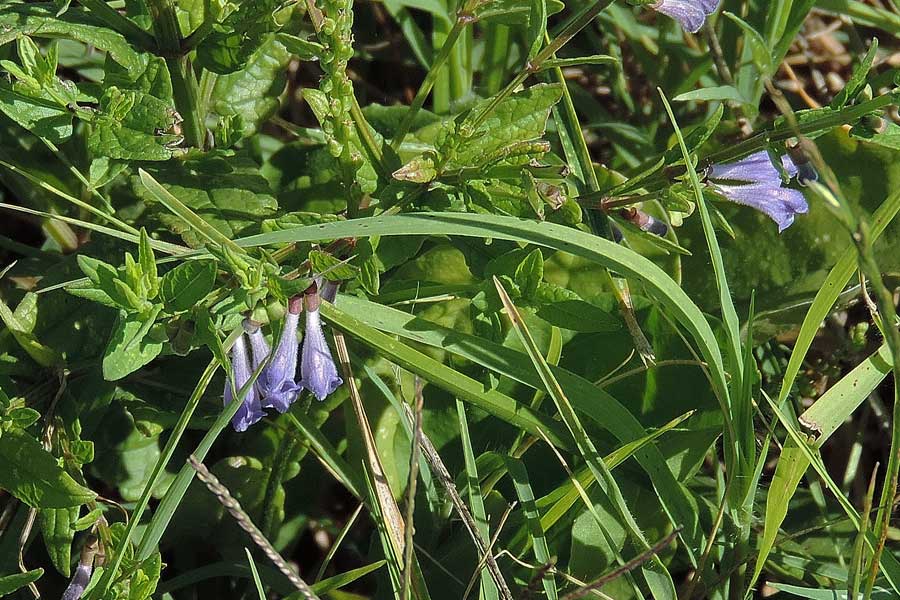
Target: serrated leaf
[129,347]
[132,125]
[11,583]
[38,20]
[36,113]
[224,190]
[231,43]
[150,76]
[521,117]
[330,267]
[58,534]
[33,475]
[187,284]
[252,93]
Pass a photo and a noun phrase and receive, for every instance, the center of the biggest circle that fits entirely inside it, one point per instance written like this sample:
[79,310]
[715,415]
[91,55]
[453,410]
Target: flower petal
[250,410]
[317,369]
[780,204]
[79,582]
[690,13]
[278,379]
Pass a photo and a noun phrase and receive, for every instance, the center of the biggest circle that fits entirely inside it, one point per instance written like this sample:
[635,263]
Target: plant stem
[187,100]
[120,23]
[575,24]
[184,82]
[748,146]
[885,300]
[462,20]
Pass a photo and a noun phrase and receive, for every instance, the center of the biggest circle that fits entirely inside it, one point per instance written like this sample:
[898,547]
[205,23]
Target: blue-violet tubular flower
[250,410]
[79,582]
[755,182]
[278,380]
[317,369]
[690,13]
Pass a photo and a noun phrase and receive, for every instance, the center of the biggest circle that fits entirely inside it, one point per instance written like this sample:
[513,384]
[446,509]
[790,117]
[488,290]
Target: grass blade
[519,476]
[473,490]
[657,577]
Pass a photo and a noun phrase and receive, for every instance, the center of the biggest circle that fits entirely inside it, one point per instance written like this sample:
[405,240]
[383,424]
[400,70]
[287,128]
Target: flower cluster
[690,13]
[277,385]
[754,181]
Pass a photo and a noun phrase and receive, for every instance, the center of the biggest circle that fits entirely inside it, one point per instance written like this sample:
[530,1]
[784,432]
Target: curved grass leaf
[603,409]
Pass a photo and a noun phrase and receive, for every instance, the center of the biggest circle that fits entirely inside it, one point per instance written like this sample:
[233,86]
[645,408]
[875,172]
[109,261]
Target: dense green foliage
[616,314]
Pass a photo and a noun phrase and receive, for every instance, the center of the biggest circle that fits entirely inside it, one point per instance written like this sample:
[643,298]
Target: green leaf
[33,475]
[330,267]
[11,583]
[519,476]
[530,273]
[209,199]
[476,500]
[39,20]
[58,533]
[755,42]
[579,315]
[36,113]
[252,93]
[858,79]
[521,117]
[132,125]
[147,262]
[21,330]
[655,573]
[709,94]
[231,43]
[187,284]
[150,76]
[341,580]
[130,347]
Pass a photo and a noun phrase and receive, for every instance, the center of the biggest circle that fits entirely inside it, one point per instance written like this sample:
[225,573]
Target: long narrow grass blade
[383,493]
[657,577]
[473,491]
[519,475]
[823,418]
[443,476]
[451,380]
[598,405]
[889,563]
[115,233]
[256,580]
[180,210]
[739,444]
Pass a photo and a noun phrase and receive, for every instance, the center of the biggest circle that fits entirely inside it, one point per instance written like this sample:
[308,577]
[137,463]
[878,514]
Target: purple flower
[317,369]
[277,381]
[755,182]
[327,289]
[250,410]
[690,13]
[79,582]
